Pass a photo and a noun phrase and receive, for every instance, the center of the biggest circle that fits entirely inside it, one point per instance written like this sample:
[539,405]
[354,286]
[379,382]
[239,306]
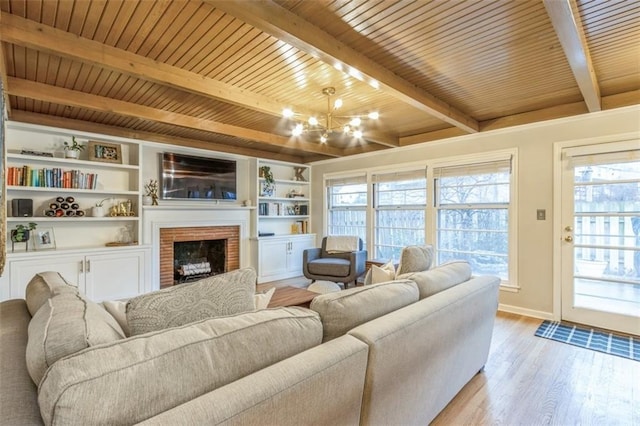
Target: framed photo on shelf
[44,239]
[105,152]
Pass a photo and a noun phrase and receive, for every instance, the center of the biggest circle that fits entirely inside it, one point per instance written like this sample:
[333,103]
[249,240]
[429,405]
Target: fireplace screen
[194,260]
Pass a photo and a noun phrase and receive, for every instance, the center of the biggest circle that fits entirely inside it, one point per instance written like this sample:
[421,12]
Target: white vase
[70,153]
[97,211]
[147,200]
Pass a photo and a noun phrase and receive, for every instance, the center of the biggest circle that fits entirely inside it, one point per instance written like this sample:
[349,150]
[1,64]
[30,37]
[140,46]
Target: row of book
[51,178]
[279,209]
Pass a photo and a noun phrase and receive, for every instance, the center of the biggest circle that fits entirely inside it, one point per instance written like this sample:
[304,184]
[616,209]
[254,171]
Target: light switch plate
[541,214]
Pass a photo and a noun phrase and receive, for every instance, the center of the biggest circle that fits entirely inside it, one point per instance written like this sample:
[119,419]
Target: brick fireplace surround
[198,233]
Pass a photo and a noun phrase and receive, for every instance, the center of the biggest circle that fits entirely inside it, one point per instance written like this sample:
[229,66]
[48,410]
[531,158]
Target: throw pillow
[118,310]
[225,294]
[415,259]
[66,324]
[384,273]
[261,300]
[43,286]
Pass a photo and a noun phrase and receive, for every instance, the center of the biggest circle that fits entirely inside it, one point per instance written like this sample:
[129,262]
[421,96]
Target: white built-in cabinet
[100,275]
[88,250]
[281,257]
[281,220]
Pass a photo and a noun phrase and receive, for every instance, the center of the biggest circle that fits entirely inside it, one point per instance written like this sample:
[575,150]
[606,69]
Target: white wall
[535,144]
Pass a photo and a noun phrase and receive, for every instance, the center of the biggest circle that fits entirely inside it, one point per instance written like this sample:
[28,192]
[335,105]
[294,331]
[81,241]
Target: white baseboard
[526,312]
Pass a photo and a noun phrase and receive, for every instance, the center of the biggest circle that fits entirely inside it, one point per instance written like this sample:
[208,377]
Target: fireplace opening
[193,260]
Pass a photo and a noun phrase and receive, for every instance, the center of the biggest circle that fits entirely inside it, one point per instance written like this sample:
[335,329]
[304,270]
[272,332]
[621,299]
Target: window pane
[396,229]
[473,221]
[400,216]
[347,210]
[477,189]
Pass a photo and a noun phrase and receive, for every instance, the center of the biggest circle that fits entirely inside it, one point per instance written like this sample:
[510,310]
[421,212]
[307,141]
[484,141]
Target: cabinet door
[272,257]
[70,267]
[297,246]
[114,276]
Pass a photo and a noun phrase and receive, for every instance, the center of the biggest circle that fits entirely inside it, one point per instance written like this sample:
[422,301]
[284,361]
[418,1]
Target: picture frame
[105,152]
[44,239]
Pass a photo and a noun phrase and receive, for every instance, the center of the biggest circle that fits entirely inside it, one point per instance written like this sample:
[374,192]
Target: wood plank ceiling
[217,74]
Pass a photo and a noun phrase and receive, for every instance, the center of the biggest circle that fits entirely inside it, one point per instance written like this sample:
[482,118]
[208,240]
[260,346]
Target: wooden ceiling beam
[3,77]
[103,129]
[568,27]
[33,35]
[290,28]
[620,100]
[62,96]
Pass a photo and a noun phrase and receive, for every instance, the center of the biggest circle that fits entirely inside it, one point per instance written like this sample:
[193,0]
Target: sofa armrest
[18,394]
[322,385]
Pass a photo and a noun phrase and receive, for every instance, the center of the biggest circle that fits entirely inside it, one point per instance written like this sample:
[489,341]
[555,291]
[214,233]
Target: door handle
[82,266]
[568,238]
[568,228]
[88,266]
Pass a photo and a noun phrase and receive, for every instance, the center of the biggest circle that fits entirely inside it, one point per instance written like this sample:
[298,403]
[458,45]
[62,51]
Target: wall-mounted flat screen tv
[185,177]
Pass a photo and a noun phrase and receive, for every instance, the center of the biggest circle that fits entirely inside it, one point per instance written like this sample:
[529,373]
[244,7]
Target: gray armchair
[345,267]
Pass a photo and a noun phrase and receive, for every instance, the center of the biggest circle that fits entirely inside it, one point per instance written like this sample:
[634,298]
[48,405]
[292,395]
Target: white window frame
[512,283]
[354,178]
[395,176]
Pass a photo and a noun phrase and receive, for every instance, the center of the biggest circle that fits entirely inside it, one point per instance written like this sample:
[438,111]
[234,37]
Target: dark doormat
[626,346]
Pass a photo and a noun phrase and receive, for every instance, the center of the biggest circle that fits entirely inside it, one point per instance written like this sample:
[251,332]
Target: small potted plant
[98,210]
[72,150]
[21,234]
[269,185]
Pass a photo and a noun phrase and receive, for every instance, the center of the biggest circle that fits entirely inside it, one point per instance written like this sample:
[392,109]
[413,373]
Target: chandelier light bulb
[323,138]
[297,131]
[346,129]
[287,113]
[338,103]
[355,122]
[313,121]
[357,134]
[374,115]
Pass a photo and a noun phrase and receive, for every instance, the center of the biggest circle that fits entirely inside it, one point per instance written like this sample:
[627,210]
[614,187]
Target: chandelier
[330,123]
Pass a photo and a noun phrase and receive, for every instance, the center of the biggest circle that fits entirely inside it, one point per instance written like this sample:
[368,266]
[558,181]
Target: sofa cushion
[331,266]
[66,324]
[44,285]
[139,377]
[440,278]
[342,311]
[415,259]
[225,294]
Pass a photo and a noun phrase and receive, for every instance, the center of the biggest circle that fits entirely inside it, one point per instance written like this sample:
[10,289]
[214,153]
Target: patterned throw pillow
[225,294]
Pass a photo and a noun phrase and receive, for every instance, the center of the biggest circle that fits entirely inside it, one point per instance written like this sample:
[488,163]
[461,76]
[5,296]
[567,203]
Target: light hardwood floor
[533,381]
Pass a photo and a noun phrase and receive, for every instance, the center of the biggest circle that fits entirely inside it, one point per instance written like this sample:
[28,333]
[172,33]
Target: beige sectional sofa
[388,353]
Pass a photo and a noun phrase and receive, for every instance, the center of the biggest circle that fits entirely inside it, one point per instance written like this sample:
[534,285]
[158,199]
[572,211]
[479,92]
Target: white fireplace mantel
[182,215]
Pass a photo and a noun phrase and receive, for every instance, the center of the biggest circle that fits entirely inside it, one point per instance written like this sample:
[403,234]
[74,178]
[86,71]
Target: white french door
[600,248]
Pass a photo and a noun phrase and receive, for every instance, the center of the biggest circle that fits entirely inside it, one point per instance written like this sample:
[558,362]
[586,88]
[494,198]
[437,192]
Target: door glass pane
[607,237]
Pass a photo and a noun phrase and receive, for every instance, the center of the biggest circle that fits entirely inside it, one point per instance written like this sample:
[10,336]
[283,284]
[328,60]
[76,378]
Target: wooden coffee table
[291,296]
